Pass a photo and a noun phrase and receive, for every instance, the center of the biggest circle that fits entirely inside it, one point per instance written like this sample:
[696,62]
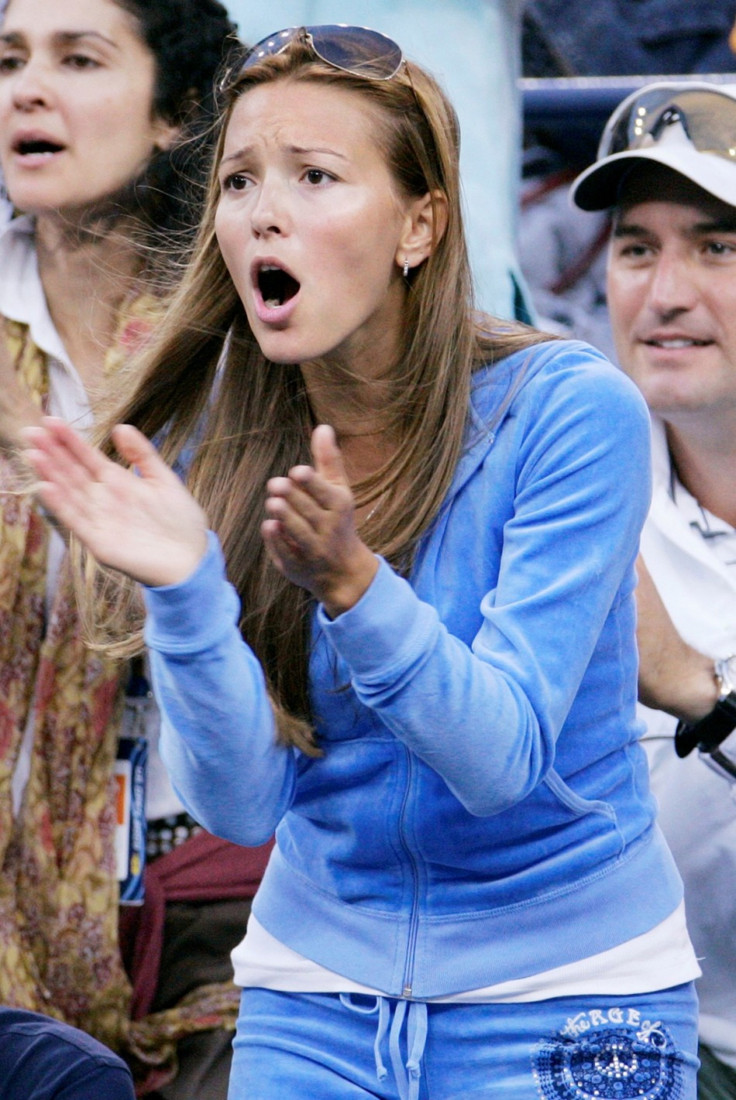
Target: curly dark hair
[191,41]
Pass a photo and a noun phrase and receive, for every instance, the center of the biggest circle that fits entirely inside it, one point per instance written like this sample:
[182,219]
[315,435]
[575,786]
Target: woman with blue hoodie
[419,667]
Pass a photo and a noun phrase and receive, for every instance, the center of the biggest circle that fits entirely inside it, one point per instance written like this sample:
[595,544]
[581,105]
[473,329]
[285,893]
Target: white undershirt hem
[658,959]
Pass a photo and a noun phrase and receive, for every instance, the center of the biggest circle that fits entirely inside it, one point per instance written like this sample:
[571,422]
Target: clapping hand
[141,521]
[145,523]
[310,532]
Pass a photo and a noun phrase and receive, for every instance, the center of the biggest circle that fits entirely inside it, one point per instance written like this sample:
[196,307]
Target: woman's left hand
[311,534]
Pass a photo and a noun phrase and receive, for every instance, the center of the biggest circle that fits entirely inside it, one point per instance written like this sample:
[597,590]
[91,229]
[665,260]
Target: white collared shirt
[695,574]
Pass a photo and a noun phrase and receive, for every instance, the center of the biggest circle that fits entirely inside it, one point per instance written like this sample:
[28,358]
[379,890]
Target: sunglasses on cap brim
[706,115]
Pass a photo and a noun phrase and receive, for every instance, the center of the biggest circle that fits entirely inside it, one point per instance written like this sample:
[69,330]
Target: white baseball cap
[689,127]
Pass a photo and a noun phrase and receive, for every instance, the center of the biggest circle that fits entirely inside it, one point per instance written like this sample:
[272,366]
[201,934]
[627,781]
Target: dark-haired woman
[105,113]
[421,668]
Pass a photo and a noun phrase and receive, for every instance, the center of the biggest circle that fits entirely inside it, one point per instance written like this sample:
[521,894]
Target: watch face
[726,673]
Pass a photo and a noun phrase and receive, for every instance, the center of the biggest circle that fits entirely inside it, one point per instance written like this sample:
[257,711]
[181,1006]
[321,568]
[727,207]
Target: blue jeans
[329,1046]
[44,1059]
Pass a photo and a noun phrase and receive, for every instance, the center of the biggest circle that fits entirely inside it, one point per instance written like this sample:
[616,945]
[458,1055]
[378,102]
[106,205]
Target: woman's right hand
[142,522]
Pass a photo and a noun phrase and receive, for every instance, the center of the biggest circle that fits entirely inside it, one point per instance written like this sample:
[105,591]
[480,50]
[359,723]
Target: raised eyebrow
[301,151]
[294,150]
[239,154]
[62,38]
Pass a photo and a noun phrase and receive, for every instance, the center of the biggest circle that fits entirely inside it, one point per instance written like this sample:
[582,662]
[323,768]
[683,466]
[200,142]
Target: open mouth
[276,285]
[36,145]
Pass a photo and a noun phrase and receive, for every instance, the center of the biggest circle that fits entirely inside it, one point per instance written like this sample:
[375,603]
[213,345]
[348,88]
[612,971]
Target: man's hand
[673,676]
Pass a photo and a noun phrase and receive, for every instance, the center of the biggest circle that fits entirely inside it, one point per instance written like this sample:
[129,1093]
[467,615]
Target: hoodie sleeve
[218,735]
[487,716]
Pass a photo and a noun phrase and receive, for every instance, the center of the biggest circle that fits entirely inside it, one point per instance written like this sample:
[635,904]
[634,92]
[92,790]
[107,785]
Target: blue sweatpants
[325,1046]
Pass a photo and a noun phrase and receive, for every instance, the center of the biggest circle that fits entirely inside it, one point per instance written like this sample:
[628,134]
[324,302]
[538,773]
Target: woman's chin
[287,346]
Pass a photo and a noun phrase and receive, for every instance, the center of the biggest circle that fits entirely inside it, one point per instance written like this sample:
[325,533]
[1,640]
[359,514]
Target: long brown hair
[234,419]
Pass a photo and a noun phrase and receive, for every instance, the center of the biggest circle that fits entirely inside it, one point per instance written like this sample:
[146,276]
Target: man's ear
[424,225]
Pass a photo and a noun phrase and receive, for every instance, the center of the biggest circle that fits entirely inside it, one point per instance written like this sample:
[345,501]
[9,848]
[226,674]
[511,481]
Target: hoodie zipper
[406,988]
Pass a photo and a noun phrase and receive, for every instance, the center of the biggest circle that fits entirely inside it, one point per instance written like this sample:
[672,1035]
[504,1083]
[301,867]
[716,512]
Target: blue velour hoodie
[481,812]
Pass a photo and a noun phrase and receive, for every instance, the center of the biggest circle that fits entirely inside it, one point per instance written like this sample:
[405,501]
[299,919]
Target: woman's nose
[269,214]
[31,87]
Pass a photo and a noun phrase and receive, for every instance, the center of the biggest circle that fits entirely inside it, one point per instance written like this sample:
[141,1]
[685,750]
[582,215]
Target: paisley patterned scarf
[59,949]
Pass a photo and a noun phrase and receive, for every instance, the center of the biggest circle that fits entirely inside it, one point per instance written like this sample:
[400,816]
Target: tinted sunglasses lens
[710,120]
[708,117]
[631,123]
[356,50]
[267,47]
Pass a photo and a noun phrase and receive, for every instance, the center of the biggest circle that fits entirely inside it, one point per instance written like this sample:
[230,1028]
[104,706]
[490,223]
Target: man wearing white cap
[666,169]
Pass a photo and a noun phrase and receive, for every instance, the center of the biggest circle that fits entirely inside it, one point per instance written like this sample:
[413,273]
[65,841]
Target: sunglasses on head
[706,115]
[356,50]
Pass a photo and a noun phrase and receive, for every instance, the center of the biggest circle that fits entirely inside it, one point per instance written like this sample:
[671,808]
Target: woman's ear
[424,226]
[166,133]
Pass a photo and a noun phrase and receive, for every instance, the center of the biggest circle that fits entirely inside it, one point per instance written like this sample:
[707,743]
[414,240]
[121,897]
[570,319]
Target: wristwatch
[708,733]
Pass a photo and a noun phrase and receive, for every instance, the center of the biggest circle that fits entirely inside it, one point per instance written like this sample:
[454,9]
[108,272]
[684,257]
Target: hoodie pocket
[580,807]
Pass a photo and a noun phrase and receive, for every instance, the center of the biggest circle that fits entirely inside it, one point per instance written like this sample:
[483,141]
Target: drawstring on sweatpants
[384,1016]
[407,1075]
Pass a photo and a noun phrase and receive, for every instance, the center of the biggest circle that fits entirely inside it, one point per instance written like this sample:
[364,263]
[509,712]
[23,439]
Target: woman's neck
[85,275]
[358,410]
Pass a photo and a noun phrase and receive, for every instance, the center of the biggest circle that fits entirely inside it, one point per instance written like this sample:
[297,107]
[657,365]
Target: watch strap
[710,731]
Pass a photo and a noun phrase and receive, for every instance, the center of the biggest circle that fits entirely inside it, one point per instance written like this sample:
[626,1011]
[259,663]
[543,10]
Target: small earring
[406,268]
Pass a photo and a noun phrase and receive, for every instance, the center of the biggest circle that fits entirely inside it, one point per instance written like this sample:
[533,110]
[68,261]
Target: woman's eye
[10,63]
[81,61]
[236,182]
[316,176]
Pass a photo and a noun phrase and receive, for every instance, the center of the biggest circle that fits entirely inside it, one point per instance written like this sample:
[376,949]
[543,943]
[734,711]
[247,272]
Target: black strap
[710,731]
